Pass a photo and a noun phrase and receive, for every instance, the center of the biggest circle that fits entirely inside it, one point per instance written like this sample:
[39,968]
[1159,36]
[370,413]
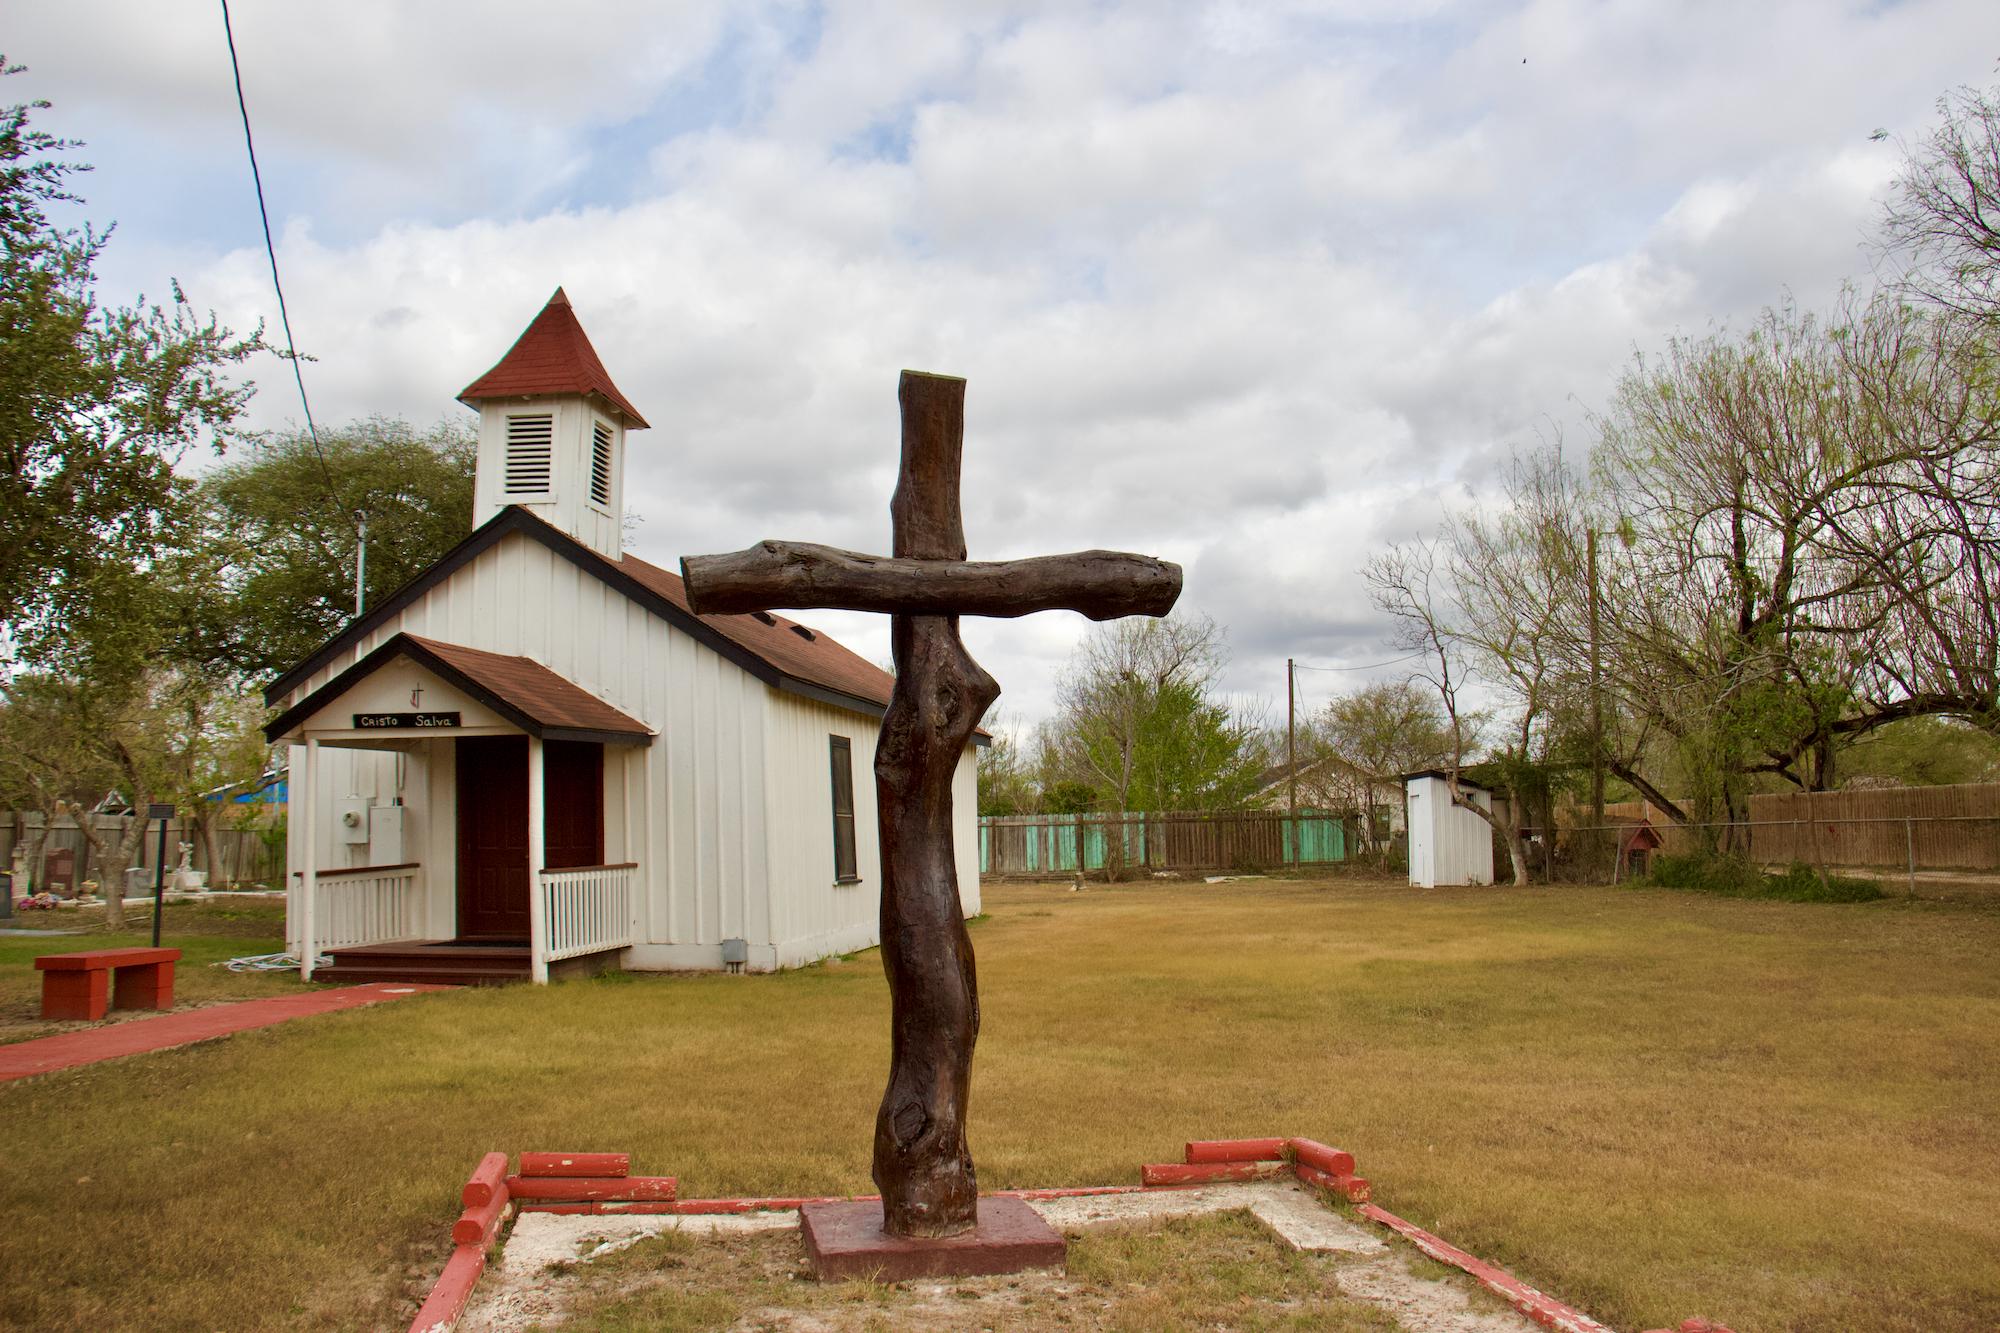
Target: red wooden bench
[74,985]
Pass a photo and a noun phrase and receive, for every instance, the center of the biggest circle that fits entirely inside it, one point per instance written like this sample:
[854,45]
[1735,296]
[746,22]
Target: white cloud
[1252,287]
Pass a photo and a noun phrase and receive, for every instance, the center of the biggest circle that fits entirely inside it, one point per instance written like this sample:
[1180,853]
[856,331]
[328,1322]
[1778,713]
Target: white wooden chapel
[534,757]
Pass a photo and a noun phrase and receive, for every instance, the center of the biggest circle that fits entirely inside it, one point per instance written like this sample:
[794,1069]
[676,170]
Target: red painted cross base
[845,1241]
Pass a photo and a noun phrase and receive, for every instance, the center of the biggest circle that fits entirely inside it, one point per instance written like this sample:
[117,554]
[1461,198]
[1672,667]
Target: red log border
[478,1226]
[568,1189]
[446,1303]
[576,1164]
[1352,1188]
[1544,1309]
[1175,1173]
[488,1179]
[1333,1161]
[1235,1150]
[1209,1160]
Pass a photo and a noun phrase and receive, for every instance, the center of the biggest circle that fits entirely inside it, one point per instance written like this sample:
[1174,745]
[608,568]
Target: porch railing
[587,909]
[364,905]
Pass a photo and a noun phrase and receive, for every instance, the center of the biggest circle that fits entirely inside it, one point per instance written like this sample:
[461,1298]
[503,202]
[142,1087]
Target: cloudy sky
[1253,287]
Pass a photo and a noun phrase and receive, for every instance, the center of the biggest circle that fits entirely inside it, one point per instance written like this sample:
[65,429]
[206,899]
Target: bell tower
[552,433]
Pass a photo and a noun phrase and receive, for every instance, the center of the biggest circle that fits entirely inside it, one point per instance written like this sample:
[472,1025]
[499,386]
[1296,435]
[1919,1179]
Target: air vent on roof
[600,465]
[766,617]
[804,633]
[530,445]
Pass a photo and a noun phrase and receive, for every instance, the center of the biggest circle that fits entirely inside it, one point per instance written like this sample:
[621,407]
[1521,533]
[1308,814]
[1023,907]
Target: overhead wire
[271,249]
[1301,666]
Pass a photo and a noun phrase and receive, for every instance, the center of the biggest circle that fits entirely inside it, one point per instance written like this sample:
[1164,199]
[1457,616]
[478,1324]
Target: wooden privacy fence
[245,857]
[1917,828]
[1173,840]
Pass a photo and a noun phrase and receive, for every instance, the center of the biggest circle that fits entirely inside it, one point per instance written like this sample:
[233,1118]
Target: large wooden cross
[922,1165]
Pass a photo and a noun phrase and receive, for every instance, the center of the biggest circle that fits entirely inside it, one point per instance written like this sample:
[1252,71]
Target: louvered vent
[600,465]
[530,446]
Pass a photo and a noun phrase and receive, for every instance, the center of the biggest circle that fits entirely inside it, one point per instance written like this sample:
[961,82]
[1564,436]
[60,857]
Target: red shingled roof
[552,357]
[536,691]
[819,660]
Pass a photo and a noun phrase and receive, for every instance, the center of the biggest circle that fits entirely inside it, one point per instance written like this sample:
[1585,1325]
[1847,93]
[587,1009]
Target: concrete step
[431,976]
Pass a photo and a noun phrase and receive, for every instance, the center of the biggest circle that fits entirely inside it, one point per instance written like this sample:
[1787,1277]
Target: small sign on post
[163,813]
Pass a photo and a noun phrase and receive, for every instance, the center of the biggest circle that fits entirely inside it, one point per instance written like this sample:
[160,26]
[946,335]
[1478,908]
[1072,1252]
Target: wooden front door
[493,838]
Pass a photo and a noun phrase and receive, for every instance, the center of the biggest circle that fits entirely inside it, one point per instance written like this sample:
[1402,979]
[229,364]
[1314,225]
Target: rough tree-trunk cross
[922,1165]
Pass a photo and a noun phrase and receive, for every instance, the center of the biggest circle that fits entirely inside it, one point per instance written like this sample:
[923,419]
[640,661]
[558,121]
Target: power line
[1303,667]
[284,317]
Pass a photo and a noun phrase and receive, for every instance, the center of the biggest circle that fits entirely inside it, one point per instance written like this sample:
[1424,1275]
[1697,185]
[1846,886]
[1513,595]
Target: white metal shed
[1448,844]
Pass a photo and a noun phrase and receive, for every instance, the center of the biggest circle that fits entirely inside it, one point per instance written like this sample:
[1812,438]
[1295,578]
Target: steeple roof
[552,357]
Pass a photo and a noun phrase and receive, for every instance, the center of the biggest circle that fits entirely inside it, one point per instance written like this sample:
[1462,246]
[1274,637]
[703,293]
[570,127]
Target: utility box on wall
[1448,844]
[385,835]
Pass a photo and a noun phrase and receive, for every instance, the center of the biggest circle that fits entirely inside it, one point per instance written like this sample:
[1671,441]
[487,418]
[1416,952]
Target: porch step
[437,962]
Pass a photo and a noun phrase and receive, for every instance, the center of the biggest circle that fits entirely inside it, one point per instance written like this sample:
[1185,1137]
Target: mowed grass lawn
[1652,1104]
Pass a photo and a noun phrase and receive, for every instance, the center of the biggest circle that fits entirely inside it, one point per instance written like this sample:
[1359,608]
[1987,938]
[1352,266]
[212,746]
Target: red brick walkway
[137,1036]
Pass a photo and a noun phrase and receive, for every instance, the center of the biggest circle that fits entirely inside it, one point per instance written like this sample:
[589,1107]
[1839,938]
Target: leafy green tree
[96,404]
[1137,721]
[1924,752]
[1194,753]
[281,520]
[1364,740]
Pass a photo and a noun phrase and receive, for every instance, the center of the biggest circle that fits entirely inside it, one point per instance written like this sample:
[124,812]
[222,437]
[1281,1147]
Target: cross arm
[1103,585]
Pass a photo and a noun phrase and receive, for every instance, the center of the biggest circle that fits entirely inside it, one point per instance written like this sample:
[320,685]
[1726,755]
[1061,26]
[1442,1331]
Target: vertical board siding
[805,903]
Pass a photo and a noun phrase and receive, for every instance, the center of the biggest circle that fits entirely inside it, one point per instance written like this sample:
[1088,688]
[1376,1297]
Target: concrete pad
[846,1240]
[1299,1219]
[1302,1223]
[541,1239]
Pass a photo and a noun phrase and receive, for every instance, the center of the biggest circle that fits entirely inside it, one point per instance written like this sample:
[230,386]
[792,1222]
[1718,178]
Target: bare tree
[1407,584]
[1944,215]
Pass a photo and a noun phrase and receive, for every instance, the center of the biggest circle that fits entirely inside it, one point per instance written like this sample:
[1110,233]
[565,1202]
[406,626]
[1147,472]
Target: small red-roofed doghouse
[1636,845]
[534,760]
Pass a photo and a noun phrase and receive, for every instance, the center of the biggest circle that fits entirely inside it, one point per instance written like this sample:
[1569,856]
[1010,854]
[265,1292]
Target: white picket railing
[587,909]
[364,905]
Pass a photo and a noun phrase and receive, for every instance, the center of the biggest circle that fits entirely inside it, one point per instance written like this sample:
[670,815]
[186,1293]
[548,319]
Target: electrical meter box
[350,821]
[385,835]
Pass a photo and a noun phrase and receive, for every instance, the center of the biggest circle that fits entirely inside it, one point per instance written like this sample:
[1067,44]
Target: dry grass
[1652,1104]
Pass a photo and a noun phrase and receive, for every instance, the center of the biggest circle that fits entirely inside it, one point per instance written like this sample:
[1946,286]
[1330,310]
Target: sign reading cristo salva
[371,721]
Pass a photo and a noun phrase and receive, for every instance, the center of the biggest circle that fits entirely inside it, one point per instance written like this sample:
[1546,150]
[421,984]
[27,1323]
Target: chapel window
[841,751]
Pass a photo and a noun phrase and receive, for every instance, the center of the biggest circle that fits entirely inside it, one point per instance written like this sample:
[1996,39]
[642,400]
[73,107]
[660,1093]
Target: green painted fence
[1172,840]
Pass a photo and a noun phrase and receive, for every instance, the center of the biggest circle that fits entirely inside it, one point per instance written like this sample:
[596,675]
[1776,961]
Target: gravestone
[921,1162]
[60,878]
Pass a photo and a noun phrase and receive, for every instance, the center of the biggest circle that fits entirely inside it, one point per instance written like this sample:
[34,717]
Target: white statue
[186,878]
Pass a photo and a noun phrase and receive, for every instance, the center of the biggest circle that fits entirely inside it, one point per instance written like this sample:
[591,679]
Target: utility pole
[1596,704]
[360,559]
[1291,763]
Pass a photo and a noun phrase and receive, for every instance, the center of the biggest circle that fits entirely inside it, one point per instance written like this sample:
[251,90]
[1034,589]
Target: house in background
[534,759]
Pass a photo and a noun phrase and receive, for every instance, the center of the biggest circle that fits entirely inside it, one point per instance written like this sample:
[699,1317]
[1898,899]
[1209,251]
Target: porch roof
[520,689]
